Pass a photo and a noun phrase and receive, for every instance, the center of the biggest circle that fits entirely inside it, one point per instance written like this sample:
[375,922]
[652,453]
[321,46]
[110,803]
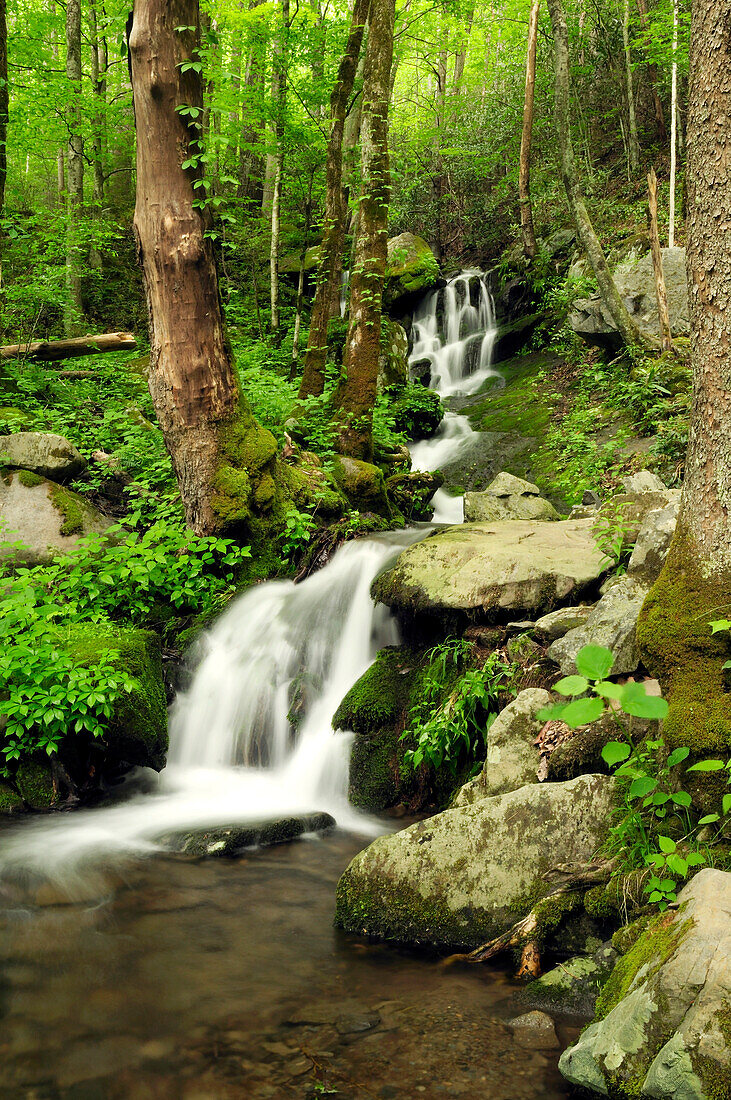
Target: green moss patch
[654,947]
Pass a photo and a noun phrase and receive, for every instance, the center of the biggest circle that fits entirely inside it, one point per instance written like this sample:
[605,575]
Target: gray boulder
[512,755]
[644,481]
[469,873]
[555,624]
[508,497]
[663,1028]
[507,485]
[479,568]
[42,453]
[44,517]
[653,543]
[612,623]
[571,988]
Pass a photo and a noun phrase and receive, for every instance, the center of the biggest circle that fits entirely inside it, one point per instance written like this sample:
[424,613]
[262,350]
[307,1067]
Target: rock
[513,336]
[644,482]
[46,518]
[290,264]
[226,841]
[363,484]
[653,543]
[417,412]
[662,1027]
[571,988]
[612,623]
[471,872]
[512,756]
[411,270]
[488,568]
[484,507]
[507,485]
[582,751]
[393,358]
[42,453]
[629,510]
[412,491]
[555,624]
[558,243]
[535,1030]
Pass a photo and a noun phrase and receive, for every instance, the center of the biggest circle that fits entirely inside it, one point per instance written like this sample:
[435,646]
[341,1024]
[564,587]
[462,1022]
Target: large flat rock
[43,519]
[487,568]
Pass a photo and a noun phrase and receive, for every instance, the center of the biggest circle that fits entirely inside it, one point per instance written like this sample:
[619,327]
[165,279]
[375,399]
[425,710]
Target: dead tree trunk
[356,393]
[333,230]
[607,287]
[662,296]
[50,351]
[74,308]
[530,247]
[225,463]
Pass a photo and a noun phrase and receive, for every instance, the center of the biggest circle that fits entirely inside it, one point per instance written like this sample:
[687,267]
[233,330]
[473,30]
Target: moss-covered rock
[393,358]
[571,988]
[411,270]
[416,411]
[34,782]
[43,518]
[363,484]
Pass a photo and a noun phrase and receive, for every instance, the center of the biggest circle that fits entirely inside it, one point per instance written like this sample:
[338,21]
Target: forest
[365,483]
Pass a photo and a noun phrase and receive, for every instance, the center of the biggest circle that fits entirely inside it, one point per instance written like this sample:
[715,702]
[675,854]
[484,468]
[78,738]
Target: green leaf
[639,704]
[677,865]
[677,755]
[642,786]
[609,690]
[719,625]
[707,766]
[682,798]
[666,844]
[572,685]
[726,804]
[709,819]
[594,661]
[582,711]
[614,752]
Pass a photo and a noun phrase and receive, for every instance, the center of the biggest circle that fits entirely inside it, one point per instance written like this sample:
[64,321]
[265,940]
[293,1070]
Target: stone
[507,485]
[653,543]
[571,988]
[488,568]
[629,510]
[393,357]
[363,484]
[46,518]
[412,492]
[411,270]
[484,507]
[644,482]
[612,623]
[663,1019]
[535,1030]
[512,336]
[42,453]
[555,624]
[469,873]
[227,841]
[512,755]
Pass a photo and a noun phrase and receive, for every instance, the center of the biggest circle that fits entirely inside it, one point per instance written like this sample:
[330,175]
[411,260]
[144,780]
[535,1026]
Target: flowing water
[454,329]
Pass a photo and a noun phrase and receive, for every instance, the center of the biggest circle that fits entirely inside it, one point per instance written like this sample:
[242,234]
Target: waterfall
[235,753]
[455,331]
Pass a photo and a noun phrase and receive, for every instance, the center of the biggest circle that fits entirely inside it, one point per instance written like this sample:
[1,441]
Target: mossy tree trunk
[223,460]
[695,584]
[333,230]
[356,393]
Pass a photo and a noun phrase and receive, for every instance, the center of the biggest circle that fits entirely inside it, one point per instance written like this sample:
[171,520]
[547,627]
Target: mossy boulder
[411,270]
[42,453]
[571,988]
[363,484]
[412,491]
[416,411]
[44,518]
[290,263]
[663,1020]
[393,358]
[471,872]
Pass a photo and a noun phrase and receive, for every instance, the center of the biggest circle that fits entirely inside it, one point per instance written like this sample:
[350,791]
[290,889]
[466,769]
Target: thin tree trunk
[99,65]
[607,287]
[74,309]
[652,75]
[301,280]
[634,141]
[356,393]
[530,246]
[662,296]
[461,56]
[279,94]
[673,128]
[438,181]
[249,133]
[333,230]
[274,240]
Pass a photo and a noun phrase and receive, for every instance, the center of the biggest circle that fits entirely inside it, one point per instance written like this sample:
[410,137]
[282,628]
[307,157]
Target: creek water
[127,971]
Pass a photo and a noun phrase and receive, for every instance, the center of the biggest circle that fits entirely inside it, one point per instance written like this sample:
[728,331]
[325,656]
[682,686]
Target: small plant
[298,530]
[610,534]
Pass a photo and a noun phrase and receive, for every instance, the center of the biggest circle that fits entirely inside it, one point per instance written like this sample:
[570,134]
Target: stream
[128,971]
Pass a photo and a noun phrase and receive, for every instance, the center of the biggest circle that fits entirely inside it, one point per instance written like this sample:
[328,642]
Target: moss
[715,1077]
[552,911]
[10,800]
[601,903]
[35,783]
[627,936]
[654,947]
[383,694]
[29,479]
[71,507]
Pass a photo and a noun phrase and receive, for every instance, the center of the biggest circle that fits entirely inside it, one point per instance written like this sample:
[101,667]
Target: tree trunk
[695,584]
[279,95]
[438,180]
[50,351]
[652,75]
[617,309]
[461,56]
[634,141]
[333,230]
[356,393]
[673,128]
[225,463]
[662,297]
[99,65]
[530,247]
[301,279]
[74,309]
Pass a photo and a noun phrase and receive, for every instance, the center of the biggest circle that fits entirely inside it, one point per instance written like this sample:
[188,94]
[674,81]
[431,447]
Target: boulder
[571,988]
[535,1030]
[512,758]
[42,453]
[469,873]
[227,841]
[644,481]
[484,569]
[363,484]
[653,543]
[412,491]
[507,485]
[512,337]
[555,624]
[290,263]
[393,357]
[484,507]
[44,517]
[411,270]
[612,623]
[663,1026]
[628,510]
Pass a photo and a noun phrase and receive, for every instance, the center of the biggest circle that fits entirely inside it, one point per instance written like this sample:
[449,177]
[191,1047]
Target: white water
[459,346]
[234,756]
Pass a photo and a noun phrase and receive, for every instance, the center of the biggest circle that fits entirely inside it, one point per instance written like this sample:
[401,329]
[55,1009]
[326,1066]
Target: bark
[634,141]
[99,66]
[662,297]
[438,178]
[695,585]
[333,229]
[74,309]
[279,92]
[673,128]
[652,75]
[607,288]
[530,246]
[43,351]
[220,456]
[356,393]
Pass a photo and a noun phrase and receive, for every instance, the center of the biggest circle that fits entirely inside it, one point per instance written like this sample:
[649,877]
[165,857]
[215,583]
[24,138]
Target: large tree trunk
[223,461]
[607,288]
[695,584]
[356,393]
[530,247]
[333,230]
[74,308]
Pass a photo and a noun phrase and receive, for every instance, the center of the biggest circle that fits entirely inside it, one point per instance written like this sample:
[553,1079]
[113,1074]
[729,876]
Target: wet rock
[612,623]
[555,624]
[512,755]
[357,1024]
[42,453]
[572,987]
[44,518]
[229,840]
[535,1030]
[663,1018]
[469,873]
[412,490]
[487,568]
[513,336]
[363,484]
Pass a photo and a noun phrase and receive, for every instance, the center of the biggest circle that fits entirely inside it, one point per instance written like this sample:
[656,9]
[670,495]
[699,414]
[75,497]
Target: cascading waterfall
[454,329]
[235,755]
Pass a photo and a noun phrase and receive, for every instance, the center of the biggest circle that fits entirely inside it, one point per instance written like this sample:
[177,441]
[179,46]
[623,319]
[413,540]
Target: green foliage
[610,533]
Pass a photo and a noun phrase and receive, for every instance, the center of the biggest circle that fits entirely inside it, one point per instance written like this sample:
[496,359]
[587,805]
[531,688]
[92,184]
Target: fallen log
[49,351]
